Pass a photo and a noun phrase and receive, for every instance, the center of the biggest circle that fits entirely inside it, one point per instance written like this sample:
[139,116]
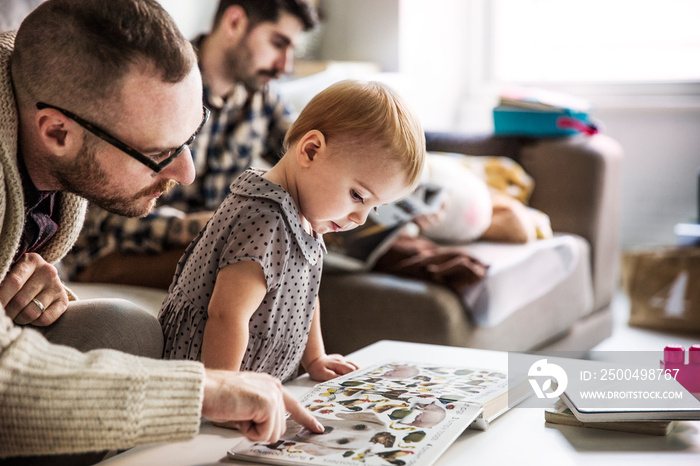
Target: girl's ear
[310,146]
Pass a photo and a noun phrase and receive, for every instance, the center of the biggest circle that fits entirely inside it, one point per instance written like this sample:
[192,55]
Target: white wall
[361,30]
[192,16]
[660,176]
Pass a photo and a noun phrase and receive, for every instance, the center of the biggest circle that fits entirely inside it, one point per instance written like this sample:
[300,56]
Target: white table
[520,436]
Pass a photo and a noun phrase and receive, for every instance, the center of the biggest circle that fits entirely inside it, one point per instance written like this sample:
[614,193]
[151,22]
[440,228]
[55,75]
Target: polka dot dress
[258,221]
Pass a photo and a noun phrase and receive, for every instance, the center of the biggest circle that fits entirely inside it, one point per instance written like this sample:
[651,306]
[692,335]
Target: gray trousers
[107,323]
[99,324]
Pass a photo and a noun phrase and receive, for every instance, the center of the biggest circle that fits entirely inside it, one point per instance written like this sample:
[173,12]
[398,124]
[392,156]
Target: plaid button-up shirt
[243,128]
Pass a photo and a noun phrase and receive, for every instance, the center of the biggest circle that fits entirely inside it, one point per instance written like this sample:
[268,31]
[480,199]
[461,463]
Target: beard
[84,177]
[239,65]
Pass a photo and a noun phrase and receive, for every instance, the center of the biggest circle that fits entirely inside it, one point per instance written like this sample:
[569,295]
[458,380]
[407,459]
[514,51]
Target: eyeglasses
[148,161]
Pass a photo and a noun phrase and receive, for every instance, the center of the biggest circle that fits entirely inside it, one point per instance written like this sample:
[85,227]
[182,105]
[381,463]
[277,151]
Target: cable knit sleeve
[54,399]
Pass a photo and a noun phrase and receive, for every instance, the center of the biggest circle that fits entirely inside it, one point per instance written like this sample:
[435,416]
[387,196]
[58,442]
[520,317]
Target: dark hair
[259,11]
[74,53]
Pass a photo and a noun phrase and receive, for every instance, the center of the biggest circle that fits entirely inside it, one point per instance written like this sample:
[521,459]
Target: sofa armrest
[577,183]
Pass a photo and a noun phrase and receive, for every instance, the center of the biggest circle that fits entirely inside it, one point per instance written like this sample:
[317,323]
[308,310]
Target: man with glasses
[99,101]
[251,43]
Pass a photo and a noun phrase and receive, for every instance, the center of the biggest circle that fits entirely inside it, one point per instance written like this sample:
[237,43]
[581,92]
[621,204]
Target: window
[597,41]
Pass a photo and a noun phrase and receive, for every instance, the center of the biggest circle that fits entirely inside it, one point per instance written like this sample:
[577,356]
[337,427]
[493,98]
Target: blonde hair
[372,111]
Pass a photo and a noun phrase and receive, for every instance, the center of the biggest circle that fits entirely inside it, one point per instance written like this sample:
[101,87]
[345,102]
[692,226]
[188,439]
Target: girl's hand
[329,366]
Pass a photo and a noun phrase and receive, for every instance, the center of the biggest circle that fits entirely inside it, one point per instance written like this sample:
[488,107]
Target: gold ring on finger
[39,305]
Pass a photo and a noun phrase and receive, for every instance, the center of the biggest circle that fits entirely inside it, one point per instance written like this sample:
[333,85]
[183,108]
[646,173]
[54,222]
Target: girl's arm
[318,364]
[239,289]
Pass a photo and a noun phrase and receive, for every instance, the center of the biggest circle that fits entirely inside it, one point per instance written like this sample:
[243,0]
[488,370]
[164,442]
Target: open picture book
[397,413]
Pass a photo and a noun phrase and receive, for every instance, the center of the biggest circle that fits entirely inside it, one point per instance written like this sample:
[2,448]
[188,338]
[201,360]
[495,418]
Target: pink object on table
[688,373]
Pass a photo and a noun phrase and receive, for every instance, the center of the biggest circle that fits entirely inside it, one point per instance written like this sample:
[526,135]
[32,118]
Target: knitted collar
[72,207]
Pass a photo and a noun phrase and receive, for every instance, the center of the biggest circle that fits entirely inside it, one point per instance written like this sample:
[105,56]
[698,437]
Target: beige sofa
[551,294]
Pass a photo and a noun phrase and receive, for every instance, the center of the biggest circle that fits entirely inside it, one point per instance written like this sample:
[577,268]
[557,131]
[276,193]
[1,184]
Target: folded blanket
[421,258]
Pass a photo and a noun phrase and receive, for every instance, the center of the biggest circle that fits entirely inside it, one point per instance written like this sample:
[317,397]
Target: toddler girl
[245,293]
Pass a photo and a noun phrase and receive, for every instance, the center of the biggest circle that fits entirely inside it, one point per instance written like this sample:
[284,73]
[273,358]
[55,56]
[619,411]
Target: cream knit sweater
[71,207]
[54,399]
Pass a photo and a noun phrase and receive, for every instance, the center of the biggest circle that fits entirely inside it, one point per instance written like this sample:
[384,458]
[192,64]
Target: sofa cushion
[358,309]
[520,274]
